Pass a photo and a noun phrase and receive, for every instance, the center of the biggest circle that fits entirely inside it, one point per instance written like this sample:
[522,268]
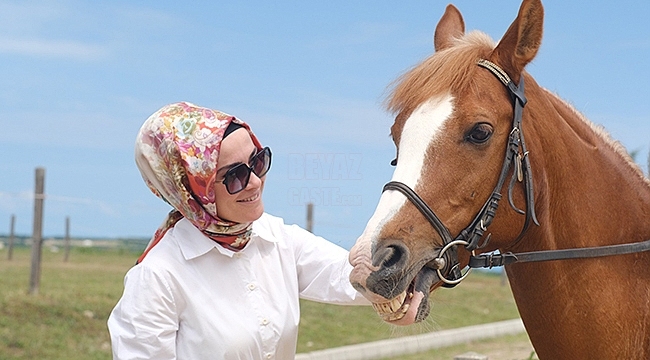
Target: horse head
[453,122]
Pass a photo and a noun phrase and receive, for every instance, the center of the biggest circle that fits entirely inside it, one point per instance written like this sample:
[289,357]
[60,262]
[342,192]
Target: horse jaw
[411,304]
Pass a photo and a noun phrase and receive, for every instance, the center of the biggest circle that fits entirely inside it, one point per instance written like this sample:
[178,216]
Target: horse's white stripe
[420,129]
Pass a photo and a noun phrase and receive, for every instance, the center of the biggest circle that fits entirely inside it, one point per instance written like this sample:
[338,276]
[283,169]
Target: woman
[220,279]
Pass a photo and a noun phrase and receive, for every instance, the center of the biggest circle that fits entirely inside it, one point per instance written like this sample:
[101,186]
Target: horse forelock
[443,72]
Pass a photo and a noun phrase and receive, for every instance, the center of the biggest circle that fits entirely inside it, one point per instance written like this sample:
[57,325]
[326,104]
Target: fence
[417,343]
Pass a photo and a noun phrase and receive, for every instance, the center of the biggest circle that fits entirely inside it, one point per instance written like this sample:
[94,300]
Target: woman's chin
[251,211]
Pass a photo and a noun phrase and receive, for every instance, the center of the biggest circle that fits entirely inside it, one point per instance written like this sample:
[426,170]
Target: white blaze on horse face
[419,131]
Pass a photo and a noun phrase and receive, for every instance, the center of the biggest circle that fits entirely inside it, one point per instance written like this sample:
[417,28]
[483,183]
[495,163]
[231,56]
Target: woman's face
[245,206]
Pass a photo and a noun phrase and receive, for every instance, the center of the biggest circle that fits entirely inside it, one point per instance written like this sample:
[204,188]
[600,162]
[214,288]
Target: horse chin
[412,305]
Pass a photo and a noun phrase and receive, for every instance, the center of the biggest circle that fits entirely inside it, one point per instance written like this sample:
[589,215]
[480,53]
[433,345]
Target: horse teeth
[394,309]
[397,302]
[405,309]
[396,315]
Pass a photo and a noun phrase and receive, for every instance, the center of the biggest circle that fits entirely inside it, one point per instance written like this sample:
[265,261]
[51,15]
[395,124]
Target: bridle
[446,261]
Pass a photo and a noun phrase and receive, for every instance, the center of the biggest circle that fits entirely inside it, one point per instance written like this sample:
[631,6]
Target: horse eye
[480,133]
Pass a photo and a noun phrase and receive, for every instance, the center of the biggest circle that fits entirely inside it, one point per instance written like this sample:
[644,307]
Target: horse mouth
[412,305]
[395,309]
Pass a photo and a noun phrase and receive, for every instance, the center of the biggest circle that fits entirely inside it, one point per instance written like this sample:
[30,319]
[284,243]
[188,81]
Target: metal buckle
[440,260]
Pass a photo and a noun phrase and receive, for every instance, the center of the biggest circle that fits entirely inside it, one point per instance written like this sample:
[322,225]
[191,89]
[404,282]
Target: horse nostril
[387,278]
[389,256]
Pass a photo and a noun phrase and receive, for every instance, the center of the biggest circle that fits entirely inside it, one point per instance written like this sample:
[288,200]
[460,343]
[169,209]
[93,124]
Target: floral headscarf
[176,151]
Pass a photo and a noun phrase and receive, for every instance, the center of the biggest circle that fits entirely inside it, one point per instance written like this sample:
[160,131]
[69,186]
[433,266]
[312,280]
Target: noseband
[446,261]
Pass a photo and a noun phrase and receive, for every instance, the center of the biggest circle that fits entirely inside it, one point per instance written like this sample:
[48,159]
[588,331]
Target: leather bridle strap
[492,260]
[423,207]
[448,269]
[517,152]
[446,261]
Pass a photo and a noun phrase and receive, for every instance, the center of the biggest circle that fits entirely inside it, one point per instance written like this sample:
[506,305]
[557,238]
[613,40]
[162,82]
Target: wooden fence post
[67,239]
[310,217]
[37,235]
[10,246]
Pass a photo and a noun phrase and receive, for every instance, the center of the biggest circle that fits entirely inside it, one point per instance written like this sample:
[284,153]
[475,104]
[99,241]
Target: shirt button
[269,355]
[264,322]
[251,287]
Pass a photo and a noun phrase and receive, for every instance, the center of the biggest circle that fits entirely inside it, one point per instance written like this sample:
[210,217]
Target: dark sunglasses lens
[237,178]
[262,162]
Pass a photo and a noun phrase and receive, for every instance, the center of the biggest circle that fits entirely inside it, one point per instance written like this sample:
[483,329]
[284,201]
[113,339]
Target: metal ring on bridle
[441,253]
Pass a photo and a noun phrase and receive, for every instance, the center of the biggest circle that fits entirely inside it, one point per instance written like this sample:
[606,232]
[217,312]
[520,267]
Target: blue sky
[80,77]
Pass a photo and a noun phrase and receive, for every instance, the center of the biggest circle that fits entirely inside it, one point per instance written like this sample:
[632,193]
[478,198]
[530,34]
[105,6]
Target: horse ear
[522,40]
[450,27]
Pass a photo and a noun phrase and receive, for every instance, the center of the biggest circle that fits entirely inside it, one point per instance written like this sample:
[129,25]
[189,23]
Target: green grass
[478,299]
[67,318]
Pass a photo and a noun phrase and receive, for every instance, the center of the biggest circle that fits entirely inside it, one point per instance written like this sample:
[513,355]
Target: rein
[446,261]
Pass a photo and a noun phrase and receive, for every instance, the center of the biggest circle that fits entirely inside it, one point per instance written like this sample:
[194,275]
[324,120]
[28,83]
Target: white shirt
[190,298]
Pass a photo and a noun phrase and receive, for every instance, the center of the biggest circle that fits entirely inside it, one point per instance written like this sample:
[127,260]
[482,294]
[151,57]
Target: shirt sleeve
[323,269]
[144,322]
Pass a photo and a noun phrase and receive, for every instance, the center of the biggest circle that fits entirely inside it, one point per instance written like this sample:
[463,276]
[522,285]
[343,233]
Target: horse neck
[587,194]
[590,191]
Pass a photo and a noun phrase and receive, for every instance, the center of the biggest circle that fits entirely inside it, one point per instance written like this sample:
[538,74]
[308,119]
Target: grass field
[67,319]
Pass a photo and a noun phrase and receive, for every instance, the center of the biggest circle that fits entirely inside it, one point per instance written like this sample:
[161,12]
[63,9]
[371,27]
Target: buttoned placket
[257,304]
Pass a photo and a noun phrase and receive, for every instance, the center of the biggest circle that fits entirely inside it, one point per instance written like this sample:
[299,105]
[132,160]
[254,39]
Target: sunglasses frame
[230,174]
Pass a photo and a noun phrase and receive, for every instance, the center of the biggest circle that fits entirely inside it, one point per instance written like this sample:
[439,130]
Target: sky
[80,77]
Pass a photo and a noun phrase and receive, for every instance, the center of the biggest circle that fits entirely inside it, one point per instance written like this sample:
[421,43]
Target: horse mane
[451,68]
[604,135]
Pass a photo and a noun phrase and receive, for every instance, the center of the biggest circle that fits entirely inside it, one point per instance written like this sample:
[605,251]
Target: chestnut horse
[569,186]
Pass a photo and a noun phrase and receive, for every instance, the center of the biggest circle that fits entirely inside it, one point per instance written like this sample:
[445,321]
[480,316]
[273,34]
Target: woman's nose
[254,181]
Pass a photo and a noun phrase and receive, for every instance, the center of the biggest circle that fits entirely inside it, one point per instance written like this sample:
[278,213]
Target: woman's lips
[250,199]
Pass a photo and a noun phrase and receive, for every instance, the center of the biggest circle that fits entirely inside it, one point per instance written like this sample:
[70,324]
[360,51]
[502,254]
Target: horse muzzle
[399,295]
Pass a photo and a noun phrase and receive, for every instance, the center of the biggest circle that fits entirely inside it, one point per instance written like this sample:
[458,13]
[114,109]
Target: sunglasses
[236,178]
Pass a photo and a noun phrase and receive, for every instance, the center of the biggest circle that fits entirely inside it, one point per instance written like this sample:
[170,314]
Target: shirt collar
[193,243]
[262,230]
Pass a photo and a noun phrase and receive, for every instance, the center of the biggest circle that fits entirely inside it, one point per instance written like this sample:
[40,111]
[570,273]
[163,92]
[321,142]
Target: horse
[471,127]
